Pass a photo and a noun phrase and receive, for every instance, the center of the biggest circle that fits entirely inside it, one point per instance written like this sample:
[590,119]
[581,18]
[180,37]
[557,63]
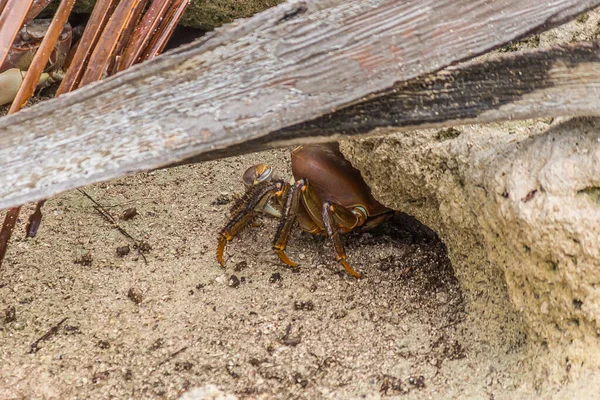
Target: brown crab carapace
[329,197]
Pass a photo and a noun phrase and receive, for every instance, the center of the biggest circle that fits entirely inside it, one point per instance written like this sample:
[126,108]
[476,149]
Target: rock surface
[518,207]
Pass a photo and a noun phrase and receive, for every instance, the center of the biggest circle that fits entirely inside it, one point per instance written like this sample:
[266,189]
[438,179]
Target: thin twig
[173,355]
[51,332]
[128,202]
[7,228]
[109,218]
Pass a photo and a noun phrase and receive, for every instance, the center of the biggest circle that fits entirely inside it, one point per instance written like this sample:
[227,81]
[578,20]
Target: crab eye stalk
[256,174]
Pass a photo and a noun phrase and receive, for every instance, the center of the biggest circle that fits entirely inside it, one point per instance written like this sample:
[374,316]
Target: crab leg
[332,215]
[312,204]
[332,218]
[288,216]
[232,229]
[244,211]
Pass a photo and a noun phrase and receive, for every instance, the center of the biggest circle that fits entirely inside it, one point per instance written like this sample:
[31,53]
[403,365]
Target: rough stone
[517,206]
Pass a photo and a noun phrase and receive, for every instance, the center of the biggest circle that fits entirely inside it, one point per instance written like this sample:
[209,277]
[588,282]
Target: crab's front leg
[246,208]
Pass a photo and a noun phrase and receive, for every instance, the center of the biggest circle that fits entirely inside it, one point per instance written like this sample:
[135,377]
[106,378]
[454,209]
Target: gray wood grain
[559,81]
[287,65]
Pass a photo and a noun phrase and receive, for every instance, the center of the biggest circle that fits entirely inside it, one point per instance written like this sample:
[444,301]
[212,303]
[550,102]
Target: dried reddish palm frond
[26,91]
[125,37]
[147,26]
[165,30]
[11,20]
[92,34]
[110,36]
[36,8]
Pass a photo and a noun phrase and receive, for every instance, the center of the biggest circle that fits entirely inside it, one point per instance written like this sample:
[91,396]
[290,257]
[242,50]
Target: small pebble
[142,246]
[304,305]
[85,260]
[240,266]
[123,250]
[135,295]
[233,282]
[276,277]
[221,200]
[129,214]
[10,314]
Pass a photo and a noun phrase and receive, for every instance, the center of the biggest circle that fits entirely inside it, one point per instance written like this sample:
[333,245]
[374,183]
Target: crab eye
[266,175]
[256,174]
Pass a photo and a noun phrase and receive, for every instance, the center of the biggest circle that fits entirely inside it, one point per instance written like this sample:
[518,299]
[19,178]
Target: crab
[21,53]
[328,197]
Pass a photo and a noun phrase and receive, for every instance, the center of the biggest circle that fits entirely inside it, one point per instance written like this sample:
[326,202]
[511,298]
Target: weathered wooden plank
[560,81]
[282,67]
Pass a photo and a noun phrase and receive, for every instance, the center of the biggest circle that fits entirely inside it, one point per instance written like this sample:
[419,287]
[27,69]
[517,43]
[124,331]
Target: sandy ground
[156,329]
[78,320]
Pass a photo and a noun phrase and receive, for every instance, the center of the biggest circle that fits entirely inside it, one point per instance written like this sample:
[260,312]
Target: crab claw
[257,173]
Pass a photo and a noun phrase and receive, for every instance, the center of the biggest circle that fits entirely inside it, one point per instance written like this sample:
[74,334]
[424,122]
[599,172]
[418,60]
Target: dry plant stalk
[168,23]
[142,36]
[125,38]
[2,4]
[110,36]
[90,38]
